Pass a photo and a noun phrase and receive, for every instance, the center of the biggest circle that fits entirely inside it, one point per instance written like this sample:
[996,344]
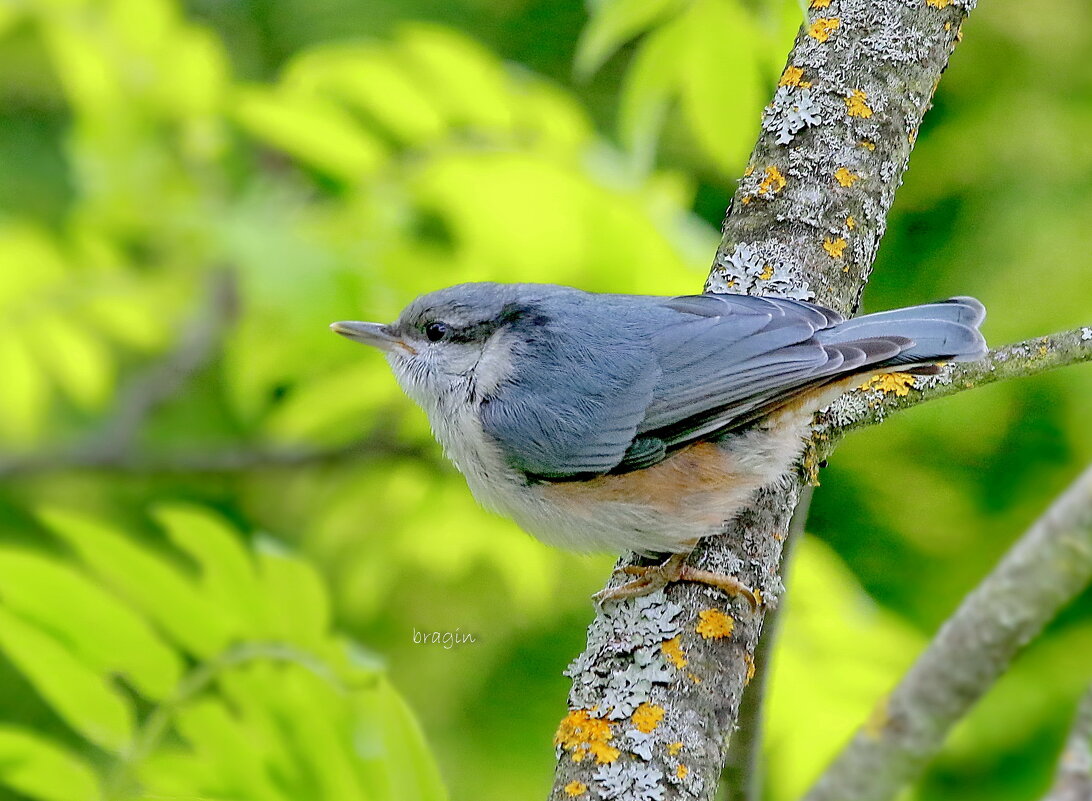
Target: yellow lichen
[820,3]
[835,247]
[714,624]
[877,720]
[773,183]
[822,28]
[749,661]
[575,788]
[938,3]
[681,771]
[747,173]
[647,717]
[845,177]
[674,748]
[673,651]
[899,383]
[867,145]
[582,735]
[694,677]
[793,76]
[851,222]
[857,105]
[767,273]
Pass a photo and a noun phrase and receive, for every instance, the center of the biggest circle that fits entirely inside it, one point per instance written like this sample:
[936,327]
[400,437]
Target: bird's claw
[655,577]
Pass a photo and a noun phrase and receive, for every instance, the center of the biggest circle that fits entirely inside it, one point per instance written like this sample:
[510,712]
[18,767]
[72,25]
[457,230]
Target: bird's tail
[942,331]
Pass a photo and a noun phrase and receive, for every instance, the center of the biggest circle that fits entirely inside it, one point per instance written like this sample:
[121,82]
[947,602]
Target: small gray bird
[624,422]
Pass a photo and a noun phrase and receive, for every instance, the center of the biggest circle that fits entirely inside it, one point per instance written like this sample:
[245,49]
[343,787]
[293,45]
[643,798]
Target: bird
[610,422]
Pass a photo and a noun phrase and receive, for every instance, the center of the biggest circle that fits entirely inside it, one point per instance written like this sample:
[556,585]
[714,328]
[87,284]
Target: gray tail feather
[942,331]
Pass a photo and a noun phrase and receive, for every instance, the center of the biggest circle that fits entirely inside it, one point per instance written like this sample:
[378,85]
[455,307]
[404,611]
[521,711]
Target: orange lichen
[673,652]
[899,383]
[582,735]
[877,720]
[694,677]
[822,28]
[767,273]
[867,145]
[851,222]
[749,661]
[938,3]
[820,3]
[647,717]
[674,748]
[845,177]
[793,76]
[835,247]
[681,771]
[857,105]
[714,624]
[773,183]
[575,788]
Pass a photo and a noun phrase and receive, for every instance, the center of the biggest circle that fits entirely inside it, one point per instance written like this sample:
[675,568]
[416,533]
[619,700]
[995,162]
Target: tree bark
[1073,781]
[656,695]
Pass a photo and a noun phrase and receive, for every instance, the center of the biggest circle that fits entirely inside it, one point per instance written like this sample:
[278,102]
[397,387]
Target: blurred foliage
[334,159]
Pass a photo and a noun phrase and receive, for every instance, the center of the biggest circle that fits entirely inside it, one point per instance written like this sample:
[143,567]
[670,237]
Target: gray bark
[806,222]
[1073,781]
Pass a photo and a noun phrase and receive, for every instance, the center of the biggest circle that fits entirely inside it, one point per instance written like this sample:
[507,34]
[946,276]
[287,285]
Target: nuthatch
[623,422]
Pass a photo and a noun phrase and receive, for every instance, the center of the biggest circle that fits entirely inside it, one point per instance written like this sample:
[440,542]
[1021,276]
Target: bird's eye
[436,331]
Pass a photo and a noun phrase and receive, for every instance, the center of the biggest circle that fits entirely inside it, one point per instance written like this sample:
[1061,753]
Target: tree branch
[1073,781]
[1049,566]
[1027,358]
[656,695]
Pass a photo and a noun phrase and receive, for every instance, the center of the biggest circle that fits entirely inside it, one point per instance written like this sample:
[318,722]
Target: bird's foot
[675,568]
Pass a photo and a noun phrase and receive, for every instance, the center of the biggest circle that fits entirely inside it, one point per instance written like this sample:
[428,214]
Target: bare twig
[1073,780]
[1042,572]
[1027,358]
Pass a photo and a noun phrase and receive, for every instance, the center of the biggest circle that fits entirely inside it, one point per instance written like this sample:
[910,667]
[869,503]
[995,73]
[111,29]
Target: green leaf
[315,131]
[103,632]
[77,359]
[297,606]
[24,394]
[228,575]
[79,695]
[722,91]
[411,772]
[613,23]
[40,769]
[650,84]
[147,581]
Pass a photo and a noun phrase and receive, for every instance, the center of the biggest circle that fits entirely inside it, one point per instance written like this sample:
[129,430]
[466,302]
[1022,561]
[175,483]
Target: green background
[334,159]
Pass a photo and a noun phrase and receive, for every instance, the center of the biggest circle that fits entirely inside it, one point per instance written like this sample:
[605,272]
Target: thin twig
[1028,358]
[1073,780]
[1049,566]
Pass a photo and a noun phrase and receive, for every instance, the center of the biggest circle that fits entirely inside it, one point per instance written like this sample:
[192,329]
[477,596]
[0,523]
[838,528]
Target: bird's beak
[375,334]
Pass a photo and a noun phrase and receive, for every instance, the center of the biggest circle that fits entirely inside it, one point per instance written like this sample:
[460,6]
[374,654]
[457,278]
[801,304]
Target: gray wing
[583,380]
[731,356]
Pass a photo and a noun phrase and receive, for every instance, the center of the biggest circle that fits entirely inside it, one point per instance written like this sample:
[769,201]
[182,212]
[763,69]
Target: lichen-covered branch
[1073,780]
[879,398]
[656,695]
[1048,567]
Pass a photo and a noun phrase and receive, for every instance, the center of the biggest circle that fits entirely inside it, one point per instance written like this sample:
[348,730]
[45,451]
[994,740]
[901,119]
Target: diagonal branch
[656,695]
[1027,358]
[1073,781]
[1048,567]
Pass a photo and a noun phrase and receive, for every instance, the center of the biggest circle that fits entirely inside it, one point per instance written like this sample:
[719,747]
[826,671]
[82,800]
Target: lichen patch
[575,788]
[834,247]
[899,383]
[845,178]
[647,717]
[857,105]
[673,651]
[583,735]
[822,28]
[714,624]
